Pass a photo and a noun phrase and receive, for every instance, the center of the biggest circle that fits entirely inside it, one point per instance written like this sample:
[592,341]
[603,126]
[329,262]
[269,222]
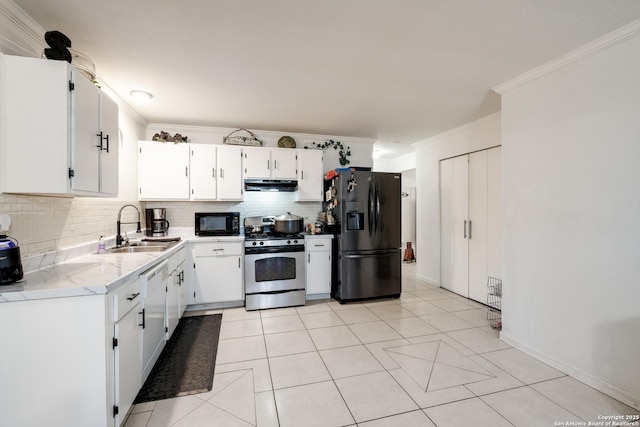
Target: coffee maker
[156,221]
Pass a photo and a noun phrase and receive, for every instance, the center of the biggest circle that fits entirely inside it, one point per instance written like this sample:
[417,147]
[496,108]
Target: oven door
[274,269]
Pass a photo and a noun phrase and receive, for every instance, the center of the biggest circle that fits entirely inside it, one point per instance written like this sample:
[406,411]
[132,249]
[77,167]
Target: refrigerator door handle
[378,211]
[371,212]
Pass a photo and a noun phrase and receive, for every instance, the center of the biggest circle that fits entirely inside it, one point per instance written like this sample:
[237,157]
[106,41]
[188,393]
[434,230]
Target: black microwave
[217,223]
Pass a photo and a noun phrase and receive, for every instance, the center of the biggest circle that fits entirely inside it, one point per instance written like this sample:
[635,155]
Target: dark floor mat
[187,362]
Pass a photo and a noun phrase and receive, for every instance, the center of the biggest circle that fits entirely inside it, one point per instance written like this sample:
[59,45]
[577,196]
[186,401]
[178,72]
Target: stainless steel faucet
[119,238]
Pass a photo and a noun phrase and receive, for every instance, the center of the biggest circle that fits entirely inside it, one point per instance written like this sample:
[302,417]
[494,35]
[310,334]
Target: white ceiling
[398,71]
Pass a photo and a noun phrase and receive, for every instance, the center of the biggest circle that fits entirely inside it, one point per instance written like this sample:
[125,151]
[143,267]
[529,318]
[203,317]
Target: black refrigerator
[366,208]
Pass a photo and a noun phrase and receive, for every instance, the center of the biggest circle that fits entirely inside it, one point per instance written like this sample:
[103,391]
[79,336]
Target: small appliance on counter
[217,223]
[156,221]
[10,261]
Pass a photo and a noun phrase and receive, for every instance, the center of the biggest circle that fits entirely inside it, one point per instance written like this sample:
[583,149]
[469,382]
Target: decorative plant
[344,153]
[166,137]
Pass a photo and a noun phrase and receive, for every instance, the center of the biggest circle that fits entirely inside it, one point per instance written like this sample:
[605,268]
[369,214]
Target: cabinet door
[318,271]
[163,171]
[257,163]
[109,155]
[477,226]
[203,172]
[310,175]
[85,141]
[127,362]
[34,125]
[230,183]
[172,302]
[284,163]
[218,279]
[454,254]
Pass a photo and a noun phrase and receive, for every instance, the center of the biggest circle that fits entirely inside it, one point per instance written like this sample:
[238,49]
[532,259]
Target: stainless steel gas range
[274,266]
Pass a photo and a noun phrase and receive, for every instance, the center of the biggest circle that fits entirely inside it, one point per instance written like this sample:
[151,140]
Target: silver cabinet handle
[302,173]
[186,171]
[213,172]
[465,228]
[469,229]
[308,258]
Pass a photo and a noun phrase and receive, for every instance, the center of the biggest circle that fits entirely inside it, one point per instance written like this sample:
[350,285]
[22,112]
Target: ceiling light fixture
[141,95]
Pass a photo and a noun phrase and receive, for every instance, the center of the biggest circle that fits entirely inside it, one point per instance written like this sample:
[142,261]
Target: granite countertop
[82,274]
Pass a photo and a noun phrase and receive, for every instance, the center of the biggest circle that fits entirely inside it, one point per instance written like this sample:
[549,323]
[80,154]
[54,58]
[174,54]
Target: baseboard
[429,280]
[609,389]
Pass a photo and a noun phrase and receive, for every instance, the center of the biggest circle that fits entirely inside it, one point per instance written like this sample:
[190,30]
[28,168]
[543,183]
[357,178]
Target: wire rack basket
[494,301]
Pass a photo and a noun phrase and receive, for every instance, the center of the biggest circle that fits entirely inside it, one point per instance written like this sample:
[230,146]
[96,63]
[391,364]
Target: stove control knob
[288,242]
[261,243]
[254,243]
[295,242]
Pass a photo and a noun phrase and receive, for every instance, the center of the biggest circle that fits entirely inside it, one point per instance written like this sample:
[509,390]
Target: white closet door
[494,209]
[477,226]
[454,256]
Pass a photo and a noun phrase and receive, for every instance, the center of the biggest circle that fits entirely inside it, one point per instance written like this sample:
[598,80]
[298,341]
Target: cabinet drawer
[177,259]
[125,299]
[317,245]
[218,249]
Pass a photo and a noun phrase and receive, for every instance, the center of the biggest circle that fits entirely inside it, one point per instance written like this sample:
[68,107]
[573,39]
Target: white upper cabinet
[163,171]
[284,161]
[310,175]
[57,122]
[168,171]
[270,163]
[257,163]
[230,185]
[203,172]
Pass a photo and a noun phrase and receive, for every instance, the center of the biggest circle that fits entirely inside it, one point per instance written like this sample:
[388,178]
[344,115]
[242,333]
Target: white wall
[571,185]
[478,135]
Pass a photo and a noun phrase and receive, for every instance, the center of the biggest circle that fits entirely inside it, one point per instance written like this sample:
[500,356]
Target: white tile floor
[426,359]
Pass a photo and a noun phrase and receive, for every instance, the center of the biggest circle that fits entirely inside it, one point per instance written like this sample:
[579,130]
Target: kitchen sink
[142,246]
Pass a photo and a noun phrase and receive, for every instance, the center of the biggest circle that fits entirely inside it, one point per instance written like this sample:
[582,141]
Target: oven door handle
[273,250]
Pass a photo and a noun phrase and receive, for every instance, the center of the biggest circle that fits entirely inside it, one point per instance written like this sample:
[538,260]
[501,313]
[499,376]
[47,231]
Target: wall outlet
[5,222]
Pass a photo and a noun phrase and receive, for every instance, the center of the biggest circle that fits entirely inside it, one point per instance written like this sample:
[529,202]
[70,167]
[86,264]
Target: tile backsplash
[181,214]
[43,224]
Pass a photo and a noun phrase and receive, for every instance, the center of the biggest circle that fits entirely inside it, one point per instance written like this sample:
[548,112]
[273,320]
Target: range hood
[270,185]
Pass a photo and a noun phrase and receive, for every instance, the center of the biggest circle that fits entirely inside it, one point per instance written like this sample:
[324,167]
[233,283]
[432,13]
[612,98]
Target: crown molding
[19,33]
[446,134]
[598,45]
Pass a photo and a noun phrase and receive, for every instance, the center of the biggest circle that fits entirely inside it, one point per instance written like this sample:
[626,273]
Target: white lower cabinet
[175,285]
[56,362]
[218,272]
[318,269]
[127,337]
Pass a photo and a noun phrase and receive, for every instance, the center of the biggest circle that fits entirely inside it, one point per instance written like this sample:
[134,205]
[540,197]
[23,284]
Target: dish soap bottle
[101,245]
